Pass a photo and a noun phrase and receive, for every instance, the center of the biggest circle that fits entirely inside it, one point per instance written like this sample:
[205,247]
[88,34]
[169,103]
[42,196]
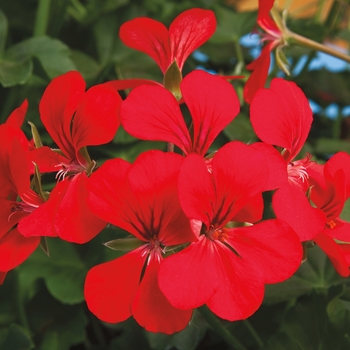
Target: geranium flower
[260,66]
[75,119]
[142,199]
[188,31]
[228,267]
[15,181]
[330,195]
[212,101]
[281,116]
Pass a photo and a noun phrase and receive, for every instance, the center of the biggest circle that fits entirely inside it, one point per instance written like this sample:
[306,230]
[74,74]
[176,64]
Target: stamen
[218,234]
[331,224]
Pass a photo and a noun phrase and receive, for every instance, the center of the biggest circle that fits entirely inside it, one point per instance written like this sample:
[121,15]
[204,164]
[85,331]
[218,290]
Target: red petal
[15,248]
[74,221]
[264,19]
[111,199]
[270,246]
[110,288]
[257,78]
[152,310]
[16,118]
[213,104]
[96,120]
[152,113]
[340,232]
[276,164]
[240,174]
[196,189]
[241,287]
[2,277]
[124,84]
[47,160]
[153,181]
[149,36]
[188,31]
[57,107]
[288,123]
[334,253]
[252,211]
[291,205]
[190,277]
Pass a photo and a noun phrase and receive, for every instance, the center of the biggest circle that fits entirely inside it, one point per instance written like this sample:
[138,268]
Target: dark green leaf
[3,32]
[16,339]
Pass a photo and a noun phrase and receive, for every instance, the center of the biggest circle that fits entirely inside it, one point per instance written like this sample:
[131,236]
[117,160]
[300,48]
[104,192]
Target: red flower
[152,112]
[260,66]
[330,195]
[75,119]
[15,181]
[142,199]
[228,267]
[287,125]
[187,32]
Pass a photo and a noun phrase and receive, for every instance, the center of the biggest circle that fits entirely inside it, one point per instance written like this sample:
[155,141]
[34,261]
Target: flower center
[331,224]
[71,169]
[297,172]
[153,250]
[217,234]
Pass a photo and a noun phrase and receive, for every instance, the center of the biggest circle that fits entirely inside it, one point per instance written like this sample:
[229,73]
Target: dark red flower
[281,116]
[187,32]
[75,118]
[260,66]
[142,199]
[153,113]
[330,195]
[228,267]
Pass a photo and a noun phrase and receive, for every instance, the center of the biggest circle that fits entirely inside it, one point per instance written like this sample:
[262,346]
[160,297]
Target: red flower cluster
[195,220]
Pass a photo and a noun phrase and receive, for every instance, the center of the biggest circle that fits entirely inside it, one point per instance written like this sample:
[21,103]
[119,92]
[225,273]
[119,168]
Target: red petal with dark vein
[111,287]
[152,310]
[152,113]
[213,104]
[57,107]
[149,36]
[188,31]
[153,180]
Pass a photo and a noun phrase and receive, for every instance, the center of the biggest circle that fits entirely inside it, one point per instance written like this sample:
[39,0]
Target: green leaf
[3,32]
[330,146]
[13,73]
[16,339]
[315,274]
[51,53]
[64,272]
[345,214]
[86,65]
[339,313]
[240,129]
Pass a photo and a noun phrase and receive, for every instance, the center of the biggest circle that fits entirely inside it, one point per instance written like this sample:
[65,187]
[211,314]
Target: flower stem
[19,302]
[42,17]
[217,326]
[254,334]
[300,40]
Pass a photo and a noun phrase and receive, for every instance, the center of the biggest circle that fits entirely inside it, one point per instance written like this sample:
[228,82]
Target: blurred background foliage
[41,302]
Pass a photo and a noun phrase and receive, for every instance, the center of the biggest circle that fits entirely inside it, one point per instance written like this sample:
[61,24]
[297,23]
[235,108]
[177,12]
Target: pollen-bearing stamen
[217,234]
[69,169]
[20,207]
[153,250]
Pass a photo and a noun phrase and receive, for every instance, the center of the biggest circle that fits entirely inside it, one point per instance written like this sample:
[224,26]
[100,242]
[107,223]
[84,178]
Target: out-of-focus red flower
[142,199]
[260,67]
[75,118]
[212,101]
[228,267]
[188,31]
[281,116]
[329,195]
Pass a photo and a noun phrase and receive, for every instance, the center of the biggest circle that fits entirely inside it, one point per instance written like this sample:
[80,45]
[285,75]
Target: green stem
[19,302]
[240,58]
[217,326]
[337,126]
[302,41]
[42,17]
[254,333]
